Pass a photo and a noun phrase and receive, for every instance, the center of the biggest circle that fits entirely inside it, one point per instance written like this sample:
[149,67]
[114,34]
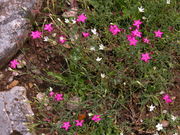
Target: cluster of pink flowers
[167,98]
[114,29]
[136,33]
[57,96]
[67,125]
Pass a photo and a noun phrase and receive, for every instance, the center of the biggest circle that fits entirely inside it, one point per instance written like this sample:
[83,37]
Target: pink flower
[62,39]
[96,118]
[58,97]
[81,18]
[158,33]
[66,125]
[137,23]
[136,33]
[36,34]
[14,63]
[129,37]
[79,122]
[114,29]
[48,27]
[146,40]
[85,34]
[133,41]
[145,57]
[51,93]
[167,98]
[46,119]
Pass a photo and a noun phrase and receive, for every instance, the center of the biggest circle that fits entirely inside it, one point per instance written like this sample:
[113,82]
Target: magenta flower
[85,34]
[51,93]
[145,57]
[133,41]
[167,98]
[66,125]
[14,63]
[96,118]
[36,34]
[62,39]
[158,33]
[81,18]
[146,40]
[129,37]
[79,122]
[48,27]
[136,33]
[137,23]
[114,29]
[58,97]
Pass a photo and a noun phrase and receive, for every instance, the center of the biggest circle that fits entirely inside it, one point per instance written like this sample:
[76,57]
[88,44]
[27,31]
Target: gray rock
[14,26]
[14,110]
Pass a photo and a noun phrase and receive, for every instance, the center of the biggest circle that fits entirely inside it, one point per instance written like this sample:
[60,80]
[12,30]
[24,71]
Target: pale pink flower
[14,63]
[146,40]
[51,93]
[46,119]
[58,97]
[62,39]
[48,27]
[79,122]
[96,118]
[36,34]
[81,18]
[114,29]
[137,23]
[136,33]
[145,57]
[158,33]
[66,125]
[85,34]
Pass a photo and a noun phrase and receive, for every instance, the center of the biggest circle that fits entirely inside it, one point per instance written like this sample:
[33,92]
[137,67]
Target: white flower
[175,134]
[46,38]
[121,133]
[54,34]
[156,133]
[66,20]
[144,18]
[141,9]
[173,117]
[58,19]
[61,38]
[101,47]
[73,21]
[92,48]
[50,89]
[98,59]
[168,1]
[164,111]
[103,75]
[162,92]
[159,127]
[94,31]
[151,108]
[90,114]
